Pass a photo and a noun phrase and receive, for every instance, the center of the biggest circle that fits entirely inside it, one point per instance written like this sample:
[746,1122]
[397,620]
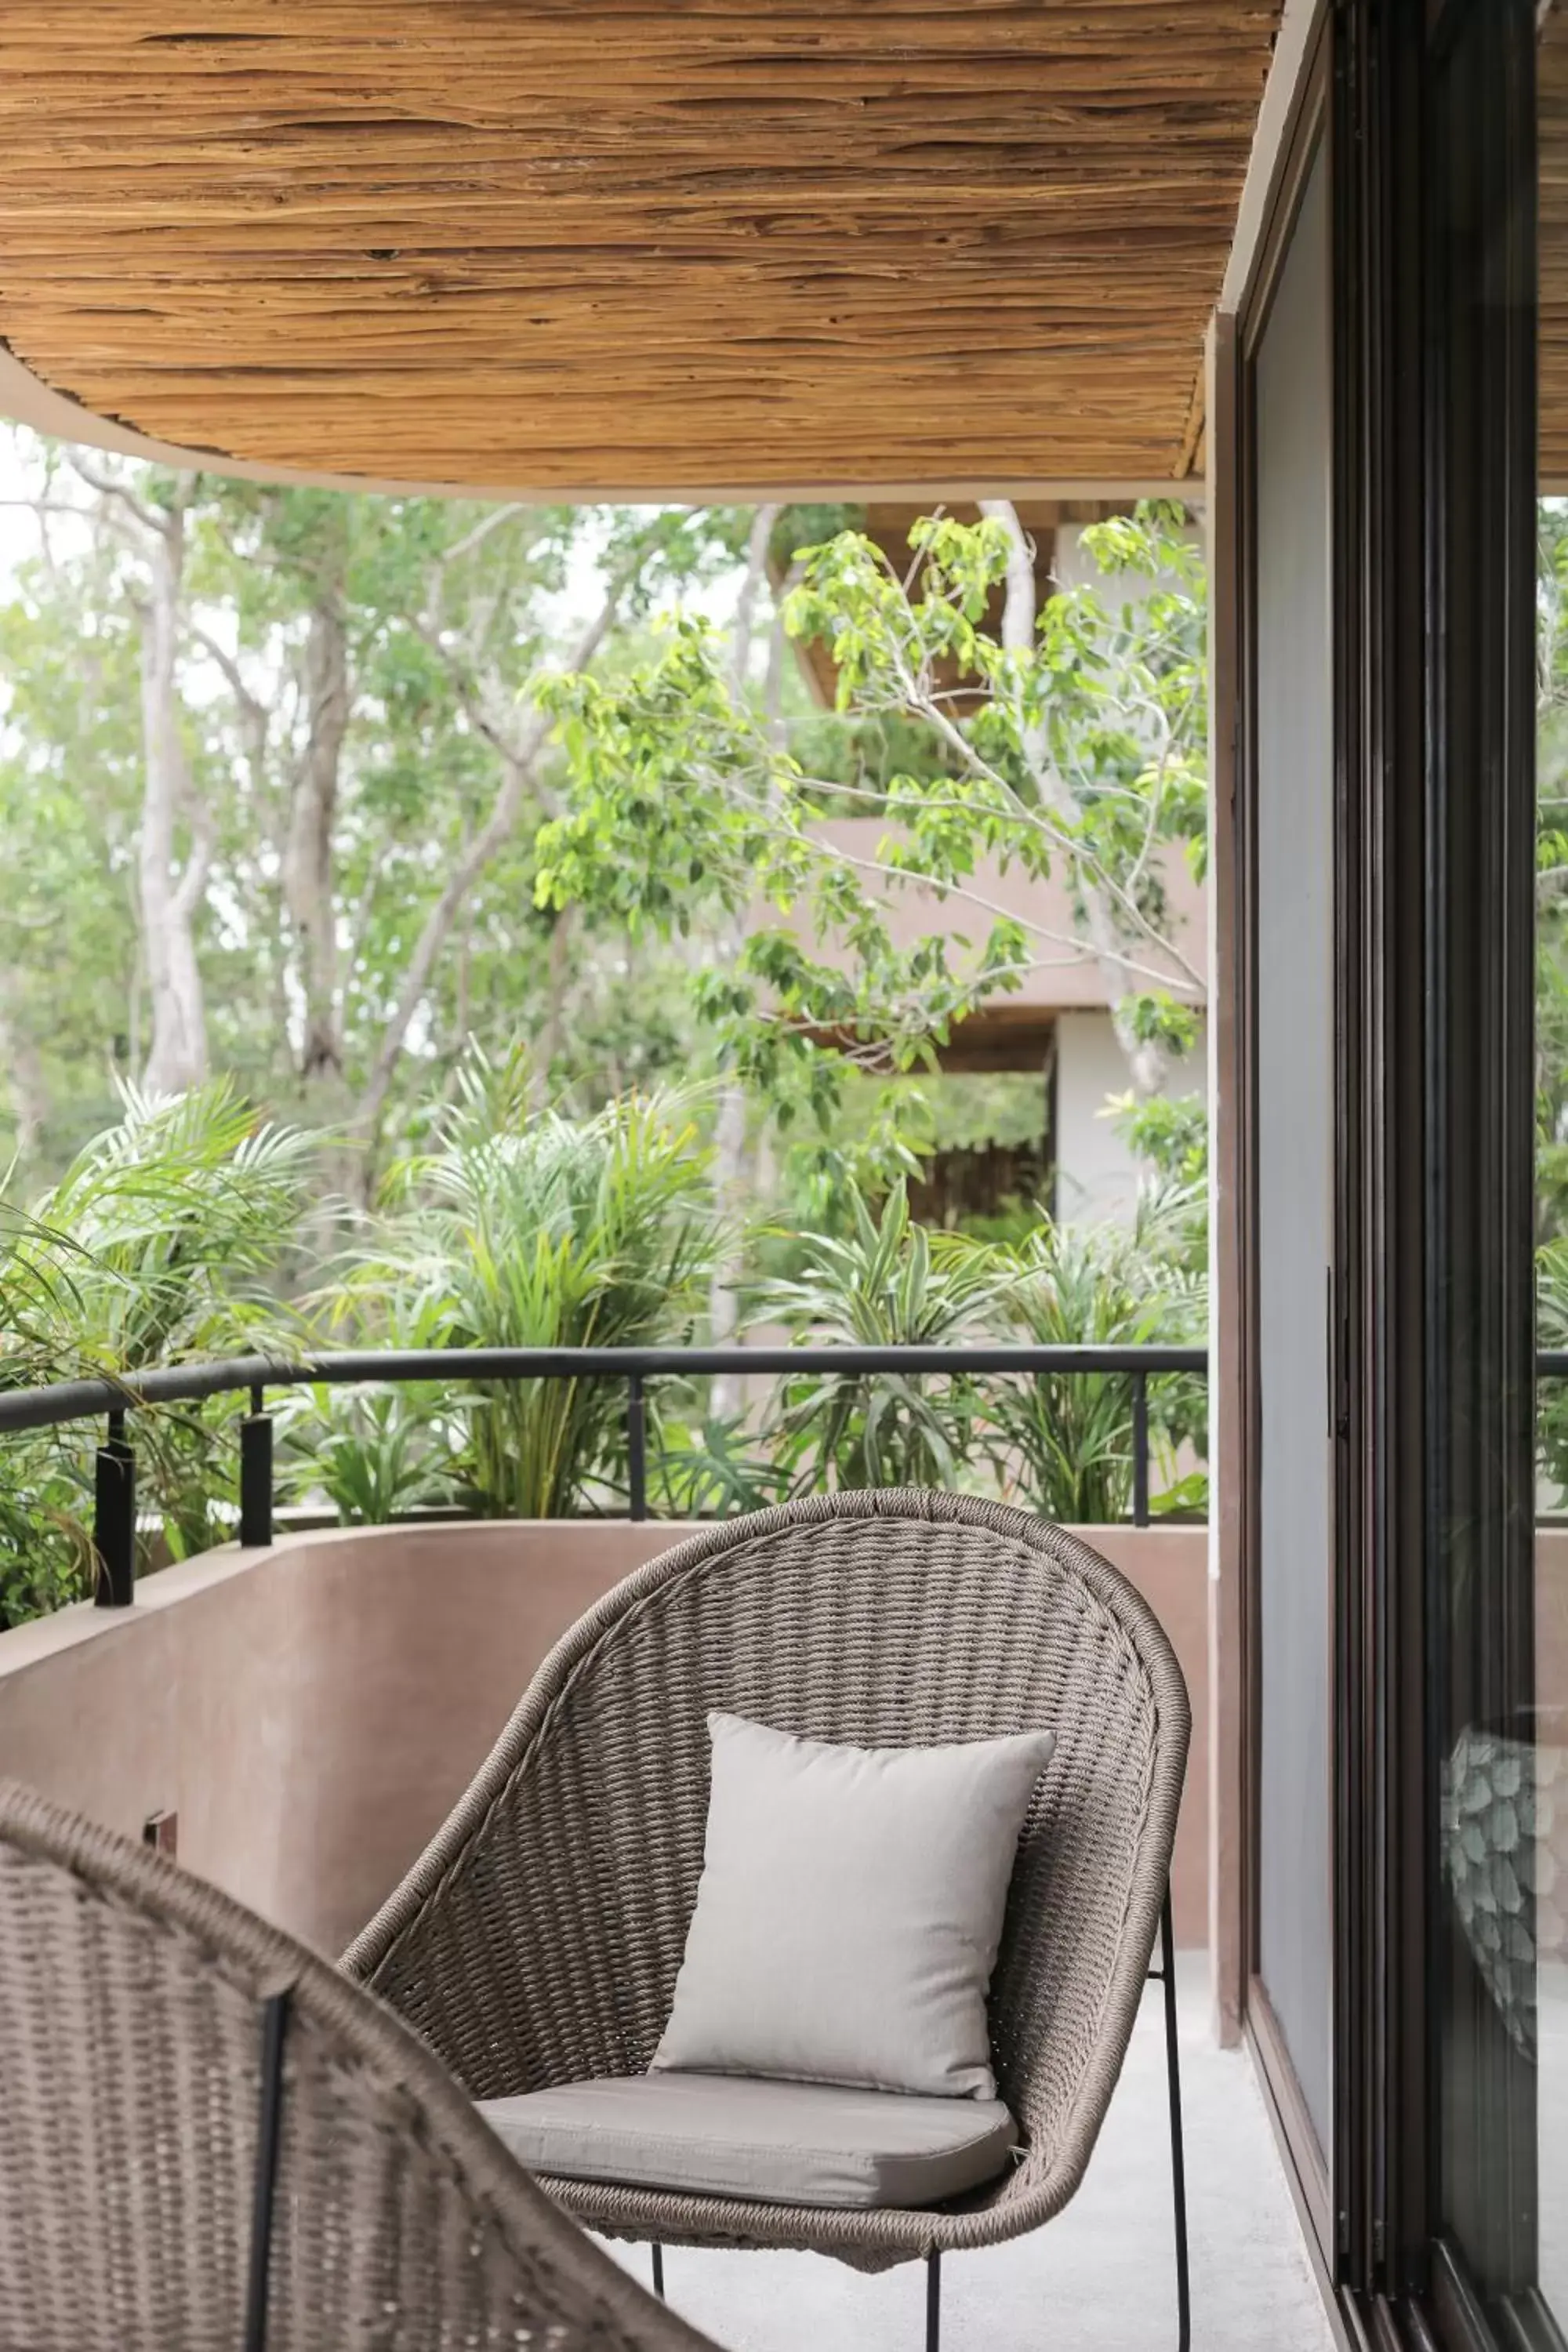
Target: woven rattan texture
[675,246]
[538,1939]
[130,2061]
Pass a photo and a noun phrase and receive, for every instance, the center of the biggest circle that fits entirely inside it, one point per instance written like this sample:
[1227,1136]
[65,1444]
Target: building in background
[1057,1027]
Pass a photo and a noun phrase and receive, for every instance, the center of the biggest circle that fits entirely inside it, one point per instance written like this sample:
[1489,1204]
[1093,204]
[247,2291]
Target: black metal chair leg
[1178,2156]
[658,2271]
[933,2301]
[269,2139]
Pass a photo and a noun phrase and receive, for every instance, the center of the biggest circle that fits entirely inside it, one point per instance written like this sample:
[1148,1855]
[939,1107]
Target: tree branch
[1081,950]
[478,536]
[762,530]
[106,488]
[517,765]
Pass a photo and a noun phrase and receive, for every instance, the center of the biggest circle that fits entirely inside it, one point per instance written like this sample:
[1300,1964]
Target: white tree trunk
[729,1127]
[1144,1059]
[169,897]
[24,1072]
[308,880]
[518,755]
[757,540]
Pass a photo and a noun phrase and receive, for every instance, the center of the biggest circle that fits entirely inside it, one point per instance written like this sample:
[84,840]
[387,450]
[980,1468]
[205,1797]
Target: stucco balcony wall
[312,1711]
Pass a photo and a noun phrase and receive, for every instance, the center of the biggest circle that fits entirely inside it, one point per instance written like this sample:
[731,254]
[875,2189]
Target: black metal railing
[114,1523]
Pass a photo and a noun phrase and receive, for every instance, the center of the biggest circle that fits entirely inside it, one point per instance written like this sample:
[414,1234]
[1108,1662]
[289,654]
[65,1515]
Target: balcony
[294,1714]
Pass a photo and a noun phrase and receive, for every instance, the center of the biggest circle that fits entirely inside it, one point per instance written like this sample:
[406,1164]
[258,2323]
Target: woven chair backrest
[135,2014]
[886,1620]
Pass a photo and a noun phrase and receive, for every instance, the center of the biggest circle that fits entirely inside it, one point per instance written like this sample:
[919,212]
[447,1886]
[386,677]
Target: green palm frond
[162,1240]
[888,1283]
[1065,1440]
[526,1228]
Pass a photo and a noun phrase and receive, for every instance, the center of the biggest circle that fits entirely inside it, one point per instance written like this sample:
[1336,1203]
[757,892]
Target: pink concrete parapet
[312,1711]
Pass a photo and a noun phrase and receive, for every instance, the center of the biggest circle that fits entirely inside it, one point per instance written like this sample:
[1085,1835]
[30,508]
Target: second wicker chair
[537,1941]
[210,2143]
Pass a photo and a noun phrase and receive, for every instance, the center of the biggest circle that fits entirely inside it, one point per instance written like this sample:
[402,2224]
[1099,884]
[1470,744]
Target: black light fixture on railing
[114,1528]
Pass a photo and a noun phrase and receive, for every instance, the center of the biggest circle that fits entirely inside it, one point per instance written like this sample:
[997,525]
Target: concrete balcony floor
[1098,2279]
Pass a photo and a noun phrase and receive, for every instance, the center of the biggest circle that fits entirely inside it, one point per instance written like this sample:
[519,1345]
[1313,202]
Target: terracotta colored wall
[312,1712]
[1169,1567]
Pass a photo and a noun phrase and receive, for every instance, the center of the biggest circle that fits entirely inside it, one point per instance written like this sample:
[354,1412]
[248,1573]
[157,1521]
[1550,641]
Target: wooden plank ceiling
[639,246]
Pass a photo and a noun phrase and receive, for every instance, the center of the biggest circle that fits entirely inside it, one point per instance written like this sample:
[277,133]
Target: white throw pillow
[850,1909]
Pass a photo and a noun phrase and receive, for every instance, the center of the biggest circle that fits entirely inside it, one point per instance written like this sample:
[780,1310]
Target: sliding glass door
[1483,1798]
[1401,843]
[1449,2185]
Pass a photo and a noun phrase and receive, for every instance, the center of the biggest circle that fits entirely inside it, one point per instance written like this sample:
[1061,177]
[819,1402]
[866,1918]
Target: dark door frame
[1429,1317]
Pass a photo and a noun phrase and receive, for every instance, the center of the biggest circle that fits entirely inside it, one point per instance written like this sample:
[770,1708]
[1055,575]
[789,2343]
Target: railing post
[256,1473]
[636,1447]
[1140,1449]
[114,1519]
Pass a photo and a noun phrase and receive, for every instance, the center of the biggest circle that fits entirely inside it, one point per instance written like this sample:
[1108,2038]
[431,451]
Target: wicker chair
[536,1943]
[211,2142]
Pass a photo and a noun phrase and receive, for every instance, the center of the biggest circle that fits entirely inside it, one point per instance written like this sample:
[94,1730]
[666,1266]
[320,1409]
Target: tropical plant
[526,1228]
[1066,1439]
[709,1466]
[889,1283]
[162,1240]
[177,1221]
[46,1553]
[375,1453]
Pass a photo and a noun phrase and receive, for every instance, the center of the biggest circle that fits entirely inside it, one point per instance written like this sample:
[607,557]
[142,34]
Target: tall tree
[1070,743]
[308,859]
[70,797]
[731,1120]
[176,844]
[1107,894]
[286,738]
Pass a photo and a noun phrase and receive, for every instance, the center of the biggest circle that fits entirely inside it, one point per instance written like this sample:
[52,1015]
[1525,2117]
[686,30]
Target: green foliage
[448,609]
[1551,1331]
[707,1468]
[521,1226]
[376,1454]
[1067,1439]
[1169,1134]
[1552,980]
[803,526]
[524,1228]
[162,1240]
[875,1139]
[1551,875]
[613,922]
[179,1218]
[1080,757]
[888,1283]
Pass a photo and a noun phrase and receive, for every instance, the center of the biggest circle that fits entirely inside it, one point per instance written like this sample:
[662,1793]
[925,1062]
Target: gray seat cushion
[737,2136]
